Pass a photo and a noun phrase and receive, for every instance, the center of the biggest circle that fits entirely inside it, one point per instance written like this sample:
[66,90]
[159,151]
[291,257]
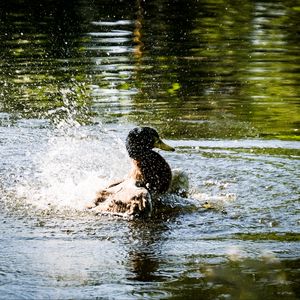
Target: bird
[150,176]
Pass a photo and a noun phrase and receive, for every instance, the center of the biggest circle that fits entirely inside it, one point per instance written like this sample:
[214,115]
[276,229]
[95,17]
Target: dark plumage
[150,168]
[150,176]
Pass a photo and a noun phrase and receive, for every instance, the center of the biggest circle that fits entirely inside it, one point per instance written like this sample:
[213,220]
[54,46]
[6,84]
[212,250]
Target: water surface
[219,81]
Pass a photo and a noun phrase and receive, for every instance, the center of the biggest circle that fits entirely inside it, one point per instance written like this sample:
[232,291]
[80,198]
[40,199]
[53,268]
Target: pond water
[220,82]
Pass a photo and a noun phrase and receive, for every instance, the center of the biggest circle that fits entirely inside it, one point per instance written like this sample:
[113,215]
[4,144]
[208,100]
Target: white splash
[75,163]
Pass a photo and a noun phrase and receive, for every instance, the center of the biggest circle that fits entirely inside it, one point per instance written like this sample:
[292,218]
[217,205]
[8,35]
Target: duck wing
[125,198]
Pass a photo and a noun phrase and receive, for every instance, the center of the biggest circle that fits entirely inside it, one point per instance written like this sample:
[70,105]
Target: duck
[150,176]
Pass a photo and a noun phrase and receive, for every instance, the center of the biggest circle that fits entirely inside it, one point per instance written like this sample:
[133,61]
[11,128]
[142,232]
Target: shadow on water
[144,250]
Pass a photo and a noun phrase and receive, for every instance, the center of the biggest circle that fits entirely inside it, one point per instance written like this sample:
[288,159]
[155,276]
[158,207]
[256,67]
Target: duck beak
[161,145]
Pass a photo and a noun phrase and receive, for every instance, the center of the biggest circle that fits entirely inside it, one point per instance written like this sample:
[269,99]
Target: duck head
[141,140]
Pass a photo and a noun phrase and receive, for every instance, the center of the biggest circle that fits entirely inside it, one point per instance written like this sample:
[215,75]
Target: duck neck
[139,154]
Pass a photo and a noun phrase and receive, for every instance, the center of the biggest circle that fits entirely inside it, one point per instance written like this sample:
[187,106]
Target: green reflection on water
[238,278]
[217,70]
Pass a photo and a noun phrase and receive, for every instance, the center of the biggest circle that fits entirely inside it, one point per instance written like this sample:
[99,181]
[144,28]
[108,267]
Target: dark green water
[220,82]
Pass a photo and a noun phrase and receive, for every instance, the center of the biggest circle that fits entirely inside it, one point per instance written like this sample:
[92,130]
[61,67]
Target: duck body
[150,176]
[150,169]
[145,173]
